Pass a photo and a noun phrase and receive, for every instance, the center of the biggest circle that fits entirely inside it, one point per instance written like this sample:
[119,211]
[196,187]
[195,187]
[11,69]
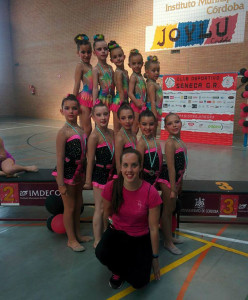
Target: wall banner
[205,104]
[194,23]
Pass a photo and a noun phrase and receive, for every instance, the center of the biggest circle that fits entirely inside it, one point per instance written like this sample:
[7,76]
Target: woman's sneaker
[115,281]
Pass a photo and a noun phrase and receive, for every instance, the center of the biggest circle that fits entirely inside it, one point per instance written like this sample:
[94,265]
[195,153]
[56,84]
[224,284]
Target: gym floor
[36,264]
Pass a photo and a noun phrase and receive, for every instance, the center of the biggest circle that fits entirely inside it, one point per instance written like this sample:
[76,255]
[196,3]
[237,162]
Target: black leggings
[127,256]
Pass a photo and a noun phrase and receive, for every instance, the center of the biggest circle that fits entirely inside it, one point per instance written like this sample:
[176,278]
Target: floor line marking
[214,244]
[29,125]
[196,266]
[214,236]
[22,225]
[19,127]
[163,271]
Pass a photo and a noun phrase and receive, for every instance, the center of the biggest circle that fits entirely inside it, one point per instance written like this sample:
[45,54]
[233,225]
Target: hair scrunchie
[134,51]
[99,37]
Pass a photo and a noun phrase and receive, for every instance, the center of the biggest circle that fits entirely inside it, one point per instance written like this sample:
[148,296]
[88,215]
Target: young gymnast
[83,73]
[103,74]
[8,167]
[125,138]
[130,244]
[70,171]
[154,91]
[100,158]
[137,86]
[149,148]
[171,177]
[121,80]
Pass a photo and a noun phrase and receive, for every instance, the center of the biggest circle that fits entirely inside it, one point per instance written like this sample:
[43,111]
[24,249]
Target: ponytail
[117,194]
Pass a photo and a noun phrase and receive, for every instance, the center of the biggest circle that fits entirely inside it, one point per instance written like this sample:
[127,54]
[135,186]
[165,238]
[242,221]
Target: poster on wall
[195,23]
[205,104]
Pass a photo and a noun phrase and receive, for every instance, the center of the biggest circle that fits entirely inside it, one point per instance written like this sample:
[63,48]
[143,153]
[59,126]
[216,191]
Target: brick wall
[7,102]
[43,33]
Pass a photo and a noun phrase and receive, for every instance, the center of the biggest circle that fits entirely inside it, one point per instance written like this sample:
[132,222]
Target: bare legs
[135,127]
[85,119]
[73,202]
[117,125]
[9,168]
[98,216]
[168,208]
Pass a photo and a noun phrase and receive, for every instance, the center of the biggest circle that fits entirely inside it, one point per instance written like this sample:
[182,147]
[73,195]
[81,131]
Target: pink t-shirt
[133,214]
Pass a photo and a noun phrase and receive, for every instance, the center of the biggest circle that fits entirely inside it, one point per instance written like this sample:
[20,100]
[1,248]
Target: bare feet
[75,246]
[32,169]
[12,176]
[8,176]
[84,239]
[173,249]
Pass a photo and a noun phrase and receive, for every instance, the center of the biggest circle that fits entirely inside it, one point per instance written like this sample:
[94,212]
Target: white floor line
[28,125]
[19,127]
[212,236]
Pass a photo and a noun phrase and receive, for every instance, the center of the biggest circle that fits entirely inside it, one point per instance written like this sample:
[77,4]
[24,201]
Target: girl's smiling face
[136,63]
[117,57]
[173,124]
[147,126]
[85,53]
[153,71]
[101,116]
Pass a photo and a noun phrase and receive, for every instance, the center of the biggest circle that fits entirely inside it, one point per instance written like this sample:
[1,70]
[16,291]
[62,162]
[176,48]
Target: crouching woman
[129,246]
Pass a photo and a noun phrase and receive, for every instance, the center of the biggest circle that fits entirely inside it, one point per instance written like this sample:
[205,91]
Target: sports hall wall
[44,54]
[7,103]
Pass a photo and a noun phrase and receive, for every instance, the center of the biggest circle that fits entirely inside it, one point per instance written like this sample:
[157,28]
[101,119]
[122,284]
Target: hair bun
[98,37]
[152,58]
[134,51]
[81,37]
[112,45]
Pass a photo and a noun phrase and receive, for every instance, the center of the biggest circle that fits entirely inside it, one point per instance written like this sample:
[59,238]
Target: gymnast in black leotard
[69,173]
[125,138]
[171,176]
[149,147]
[100,162]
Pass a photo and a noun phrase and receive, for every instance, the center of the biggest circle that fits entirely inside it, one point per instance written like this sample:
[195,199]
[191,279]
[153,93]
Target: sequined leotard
[140,92]
[116,100]
[107,87]
[158,102]
[75,150]
[180,167]
[85,96]
[151,173]
[103,169]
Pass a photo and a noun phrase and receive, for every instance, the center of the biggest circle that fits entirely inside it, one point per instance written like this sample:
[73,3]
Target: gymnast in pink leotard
[8,167]
[83,73]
